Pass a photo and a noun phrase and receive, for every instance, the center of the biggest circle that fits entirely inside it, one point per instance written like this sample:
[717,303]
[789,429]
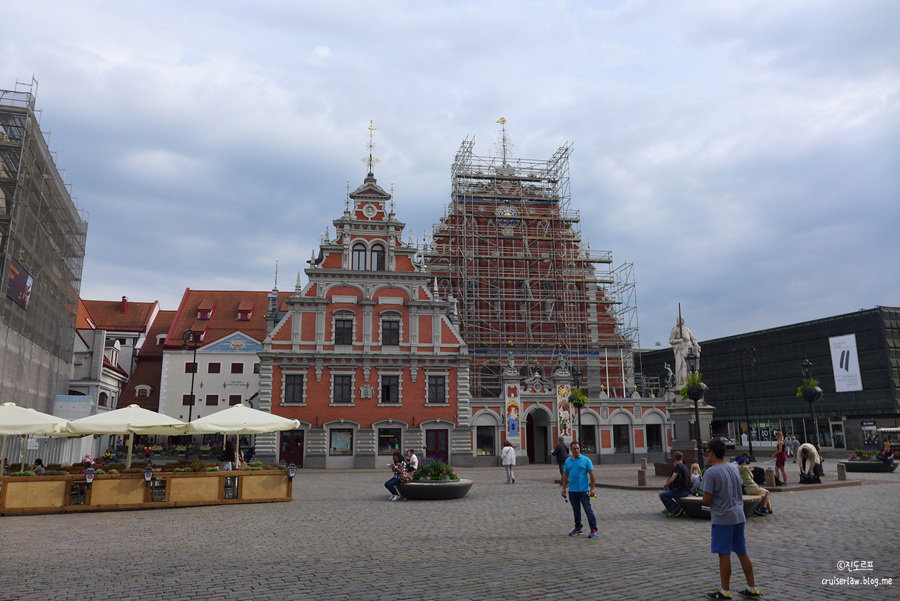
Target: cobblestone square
[342,539]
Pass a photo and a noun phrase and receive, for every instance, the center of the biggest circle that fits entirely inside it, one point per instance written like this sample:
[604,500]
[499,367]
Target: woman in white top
[508,460]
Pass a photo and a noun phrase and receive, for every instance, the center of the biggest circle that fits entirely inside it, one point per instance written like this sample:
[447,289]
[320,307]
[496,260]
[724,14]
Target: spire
[503,141]
[276,275]
[371,160]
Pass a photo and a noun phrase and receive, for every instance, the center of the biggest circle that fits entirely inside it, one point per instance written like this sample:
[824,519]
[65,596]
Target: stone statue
[682,341]
[669,383]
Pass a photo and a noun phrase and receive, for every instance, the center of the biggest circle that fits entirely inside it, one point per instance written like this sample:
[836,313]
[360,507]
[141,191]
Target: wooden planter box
[59,494]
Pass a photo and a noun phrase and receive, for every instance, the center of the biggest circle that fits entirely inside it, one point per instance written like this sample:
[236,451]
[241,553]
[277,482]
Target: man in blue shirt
[578,477]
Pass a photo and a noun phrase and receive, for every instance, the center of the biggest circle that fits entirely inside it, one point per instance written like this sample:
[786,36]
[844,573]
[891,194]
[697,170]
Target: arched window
[359,257]
[378,258]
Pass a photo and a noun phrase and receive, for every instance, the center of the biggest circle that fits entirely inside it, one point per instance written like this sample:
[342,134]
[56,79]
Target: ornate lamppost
[190,339]
[749,353]
[695,393]
[810,392]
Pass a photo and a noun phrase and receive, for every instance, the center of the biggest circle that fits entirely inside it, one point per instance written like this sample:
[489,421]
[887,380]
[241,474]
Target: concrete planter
[435,490]
[868,465]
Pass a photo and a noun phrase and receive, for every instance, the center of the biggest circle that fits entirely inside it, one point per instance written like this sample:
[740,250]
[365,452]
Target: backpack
[759,475]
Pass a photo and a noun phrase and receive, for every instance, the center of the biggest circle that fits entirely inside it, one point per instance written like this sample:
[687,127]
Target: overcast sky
[743,156]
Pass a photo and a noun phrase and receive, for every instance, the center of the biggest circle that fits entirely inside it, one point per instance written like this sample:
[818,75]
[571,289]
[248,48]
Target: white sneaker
[395,498]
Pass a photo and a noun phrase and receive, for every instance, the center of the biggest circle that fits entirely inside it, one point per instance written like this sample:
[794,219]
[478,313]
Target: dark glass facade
[771,383]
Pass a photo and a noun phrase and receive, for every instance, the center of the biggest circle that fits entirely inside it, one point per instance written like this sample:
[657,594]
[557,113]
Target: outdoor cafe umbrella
[241,419]
[132,419]
[25,420]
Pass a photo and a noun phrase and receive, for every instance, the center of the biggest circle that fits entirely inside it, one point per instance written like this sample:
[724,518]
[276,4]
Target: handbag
[406,477]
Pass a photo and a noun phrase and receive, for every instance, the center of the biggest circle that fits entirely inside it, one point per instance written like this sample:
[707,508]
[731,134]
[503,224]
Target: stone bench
[693,506]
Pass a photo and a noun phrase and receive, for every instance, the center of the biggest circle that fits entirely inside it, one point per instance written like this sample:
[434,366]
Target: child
[695,478]
[721,488]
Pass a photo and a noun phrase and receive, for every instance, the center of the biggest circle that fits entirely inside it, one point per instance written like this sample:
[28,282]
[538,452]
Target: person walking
[561,452]
[678,485]
[721,488]
[578,477]
[508,460]
[795,447]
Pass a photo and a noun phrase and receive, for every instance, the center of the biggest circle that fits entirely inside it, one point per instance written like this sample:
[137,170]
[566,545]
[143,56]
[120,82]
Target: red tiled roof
[109,315]
[148,370]
[83,320]
[161,325]
[224,320]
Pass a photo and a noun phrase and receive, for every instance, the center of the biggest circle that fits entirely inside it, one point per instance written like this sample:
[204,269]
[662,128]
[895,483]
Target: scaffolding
[509,251]
[42,233]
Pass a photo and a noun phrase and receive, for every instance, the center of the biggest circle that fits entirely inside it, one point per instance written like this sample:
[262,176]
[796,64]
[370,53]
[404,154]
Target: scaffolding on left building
[42,247]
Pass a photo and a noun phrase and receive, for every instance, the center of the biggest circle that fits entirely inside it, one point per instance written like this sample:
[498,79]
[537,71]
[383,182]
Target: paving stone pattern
[342,539]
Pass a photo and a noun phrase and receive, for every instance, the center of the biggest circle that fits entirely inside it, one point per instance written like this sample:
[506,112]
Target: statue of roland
[682,341]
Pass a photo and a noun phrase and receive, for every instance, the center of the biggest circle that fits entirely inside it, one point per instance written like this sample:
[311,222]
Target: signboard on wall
[20,284]
[845,363]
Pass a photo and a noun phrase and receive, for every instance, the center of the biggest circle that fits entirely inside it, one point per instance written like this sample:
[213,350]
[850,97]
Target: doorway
[436,444]
[536,446]
[292,447]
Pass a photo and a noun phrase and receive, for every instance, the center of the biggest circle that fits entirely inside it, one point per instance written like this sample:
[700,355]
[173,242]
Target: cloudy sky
[743,156]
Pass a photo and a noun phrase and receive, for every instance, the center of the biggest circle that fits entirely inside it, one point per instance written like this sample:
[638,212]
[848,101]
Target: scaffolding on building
[509,250]
[44,233]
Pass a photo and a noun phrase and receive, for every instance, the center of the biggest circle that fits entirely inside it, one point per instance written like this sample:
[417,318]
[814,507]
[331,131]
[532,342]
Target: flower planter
[869,465]
[435,490]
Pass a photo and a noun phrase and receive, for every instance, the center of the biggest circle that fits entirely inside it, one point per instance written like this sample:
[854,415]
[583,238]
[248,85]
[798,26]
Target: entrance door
[837,435]
[536,439]
[436,444]
[292,447]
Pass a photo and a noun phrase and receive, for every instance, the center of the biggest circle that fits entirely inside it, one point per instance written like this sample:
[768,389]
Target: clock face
[507,217]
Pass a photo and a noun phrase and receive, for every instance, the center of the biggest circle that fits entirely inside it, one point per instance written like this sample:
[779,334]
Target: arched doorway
[537,436]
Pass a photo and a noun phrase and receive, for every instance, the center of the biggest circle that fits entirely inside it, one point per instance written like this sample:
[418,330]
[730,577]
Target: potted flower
[694,388]
[809,390]
[578,398]
[435,481]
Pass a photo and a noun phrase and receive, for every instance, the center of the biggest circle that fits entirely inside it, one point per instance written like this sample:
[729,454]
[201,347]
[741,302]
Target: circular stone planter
[435,490]
[693,506]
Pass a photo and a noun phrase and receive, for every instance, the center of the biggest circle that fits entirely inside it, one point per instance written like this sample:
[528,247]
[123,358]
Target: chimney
[124,308]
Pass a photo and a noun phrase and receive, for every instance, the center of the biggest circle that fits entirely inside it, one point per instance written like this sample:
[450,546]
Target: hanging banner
[563,410]
[512,410]
[845,363]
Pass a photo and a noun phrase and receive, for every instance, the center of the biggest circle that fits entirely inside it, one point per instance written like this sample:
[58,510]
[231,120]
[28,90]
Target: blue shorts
[728,539]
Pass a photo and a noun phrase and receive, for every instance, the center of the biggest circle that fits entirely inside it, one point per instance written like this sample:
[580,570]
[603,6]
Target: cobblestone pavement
[342,539]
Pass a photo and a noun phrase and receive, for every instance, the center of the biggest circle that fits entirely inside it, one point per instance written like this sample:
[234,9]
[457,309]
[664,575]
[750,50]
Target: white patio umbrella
[241,419]
[132,419]
[25,420]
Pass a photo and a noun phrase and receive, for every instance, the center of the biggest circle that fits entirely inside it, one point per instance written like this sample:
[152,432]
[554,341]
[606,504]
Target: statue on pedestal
[682,341]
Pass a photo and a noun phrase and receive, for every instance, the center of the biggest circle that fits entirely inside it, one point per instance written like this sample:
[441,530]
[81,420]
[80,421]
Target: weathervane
[503,142]
[371,160]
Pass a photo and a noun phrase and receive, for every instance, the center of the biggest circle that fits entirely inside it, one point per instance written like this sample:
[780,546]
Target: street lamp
[811,393]
[691,361]
[189,339]
[748,352]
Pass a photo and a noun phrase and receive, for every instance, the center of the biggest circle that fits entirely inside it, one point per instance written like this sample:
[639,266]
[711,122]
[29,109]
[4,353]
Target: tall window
[343,389]
[654,437]
[378,258]
[388,440]
[484,439]
[293,389]
[588,439]
[390,333]
[359,257]
[343,331]
[341,442]
[390,389]
[437,390]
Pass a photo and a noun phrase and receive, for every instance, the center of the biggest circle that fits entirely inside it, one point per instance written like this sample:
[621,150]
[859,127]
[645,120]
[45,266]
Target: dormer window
[142,391]
[245,310]
[160,339]
[205,310]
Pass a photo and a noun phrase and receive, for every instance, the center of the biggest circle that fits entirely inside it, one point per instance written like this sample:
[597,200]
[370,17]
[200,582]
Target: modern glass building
[758,374]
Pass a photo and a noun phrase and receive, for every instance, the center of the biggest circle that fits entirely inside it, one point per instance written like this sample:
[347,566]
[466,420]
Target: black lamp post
[748,352]
[189,339]
[811,395]
[691,361]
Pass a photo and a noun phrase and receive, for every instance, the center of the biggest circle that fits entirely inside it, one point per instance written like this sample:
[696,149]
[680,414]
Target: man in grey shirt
[721,486]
